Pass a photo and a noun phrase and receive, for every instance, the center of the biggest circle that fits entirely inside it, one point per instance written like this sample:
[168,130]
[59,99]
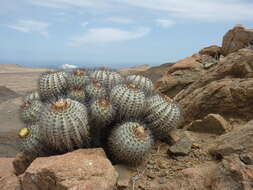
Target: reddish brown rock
[232,174]
[180,75]
[191,179]
[227,97]
[81,169]
[236,38]
[213,51]
[6,166]
[212,123]
[236,142]
[10,182]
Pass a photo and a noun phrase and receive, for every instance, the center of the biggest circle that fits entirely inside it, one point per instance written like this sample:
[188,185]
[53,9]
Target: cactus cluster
[100,107]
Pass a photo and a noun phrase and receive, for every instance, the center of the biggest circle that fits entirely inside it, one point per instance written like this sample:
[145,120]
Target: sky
[115,33]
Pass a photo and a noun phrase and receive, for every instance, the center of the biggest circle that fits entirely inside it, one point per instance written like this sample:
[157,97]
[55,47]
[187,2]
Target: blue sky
[114,32]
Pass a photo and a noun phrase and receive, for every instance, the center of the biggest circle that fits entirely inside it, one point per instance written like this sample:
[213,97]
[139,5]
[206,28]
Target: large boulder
[236,38]
[81,169]
[227,97]
[180,75]
[236,65]
[238,141]
[213,51]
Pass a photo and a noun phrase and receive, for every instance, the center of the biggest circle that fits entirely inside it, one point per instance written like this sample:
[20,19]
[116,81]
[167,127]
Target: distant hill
[13,68]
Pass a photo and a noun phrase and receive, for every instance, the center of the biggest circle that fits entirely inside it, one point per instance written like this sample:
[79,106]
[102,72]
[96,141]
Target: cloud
[68,66]
[211,10]
[29,26]
[120,20]
[84,24]
[165,23]
[107,35]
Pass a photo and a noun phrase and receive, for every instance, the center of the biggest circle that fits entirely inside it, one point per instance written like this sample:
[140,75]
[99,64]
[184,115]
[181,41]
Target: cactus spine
[30,111]
[66,125]
[142,82]
[128,100]
[130,143]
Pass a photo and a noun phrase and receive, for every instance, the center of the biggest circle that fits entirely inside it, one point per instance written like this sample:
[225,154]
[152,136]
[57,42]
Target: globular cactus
[108,78]
[142,82]
[78,79]
[31,97]
[102,112]
[53,84]
[65,124]
[129,100]
[163,115]
[31,143]
[130,143]
[30,111]
[95,90]
[77,94]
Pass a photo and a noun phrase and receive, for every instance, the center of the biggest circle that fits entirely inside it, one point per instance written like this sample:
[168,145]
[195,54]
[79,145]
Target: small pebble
[162,181]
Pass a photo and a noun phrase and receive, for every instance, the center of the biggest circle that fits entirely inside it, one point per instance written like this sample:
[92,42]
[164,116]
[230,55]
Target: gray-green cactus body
[95,90]
[31,141]
[162,115]
[31,97]
[53,84]
[65,124]
[102,112]
[108,78]
[78,79]
[78,95]
[130,143]
[128,100]
[30,111]
[142,82]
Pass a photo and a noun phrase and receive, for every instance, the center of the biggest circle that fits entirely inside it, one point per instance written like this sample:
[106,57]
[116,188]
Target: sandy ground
[15,82]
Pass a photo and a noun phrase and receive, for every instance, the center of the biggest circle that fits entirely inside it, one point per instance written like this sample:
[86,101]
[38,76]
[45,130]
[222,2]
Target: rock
[235,66]
[21,163]
[80,169]
[125,175]
[208,61]
[212,123]
[236,38]
[247,158]
[10,182]
[181,147]
[191,179]
[213,51]
[232,174]
[236,142]
[6,166]
[180,75]
[227,97]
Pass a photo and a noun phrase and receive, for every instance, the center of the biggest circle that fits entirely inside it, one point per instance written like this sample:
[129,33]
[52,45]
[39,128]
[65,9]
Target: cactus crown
[78,73]
[60,106]
[139,132]
[24,132]
[97,84]
[104,103]
[132,86]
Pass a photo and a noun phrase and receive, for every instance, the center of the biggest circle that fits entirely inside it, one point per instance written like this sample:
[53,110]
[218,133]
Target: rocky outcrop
[239,141]
[236,38]
[213,51]
[212,123]
[81,169]
[180,75]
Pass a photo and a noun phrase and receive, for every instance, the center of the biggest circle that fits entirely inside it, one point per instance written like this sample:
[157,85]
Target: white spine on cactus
[162,115]
[31,142]
[66,125]
[107,78]
[130,143]
[142,82]
[52,84]
[78,79]
[31,97]
[128,101]
[95,90]
[30,111]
